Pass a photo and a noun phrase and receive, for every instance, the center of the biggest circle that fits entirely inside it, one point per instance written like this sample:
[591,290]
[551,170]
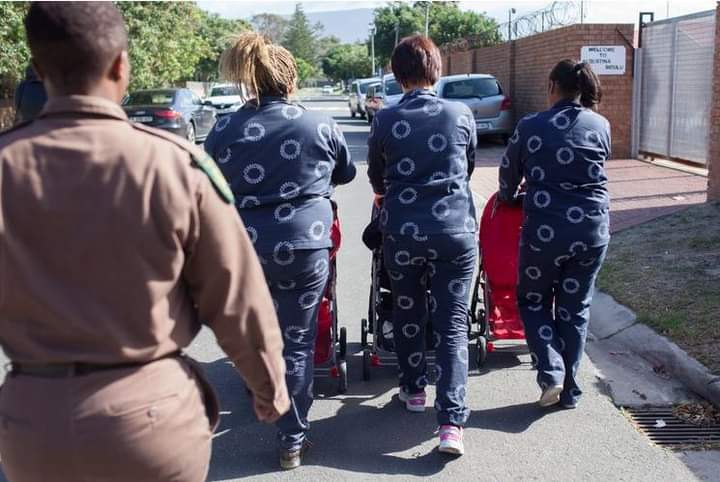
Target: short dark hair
[73,43]
[577,79]
[416,60]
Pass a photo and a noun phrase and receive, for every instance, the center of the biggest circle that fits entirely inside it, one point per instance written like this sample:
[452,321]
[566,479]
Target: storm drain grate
[665,429]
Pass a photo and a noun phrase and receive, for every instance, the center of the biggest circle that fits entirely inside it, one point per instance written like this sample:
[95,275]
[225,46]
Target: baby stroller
[494,301]
[331,344]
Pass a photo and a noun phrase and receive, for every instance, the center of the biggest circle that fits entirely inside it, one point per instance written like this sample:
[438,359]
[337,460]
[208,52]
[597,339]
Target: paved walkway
[640,191]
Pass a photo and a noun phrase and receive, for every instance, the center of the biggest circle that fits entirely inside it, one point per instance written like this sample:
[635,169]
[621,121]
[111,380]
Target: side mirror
[207,103]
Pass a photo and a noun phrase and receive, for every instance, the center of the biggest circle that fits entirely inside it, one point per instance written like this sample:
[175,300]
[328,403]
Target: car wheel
[190,133]
[352,113]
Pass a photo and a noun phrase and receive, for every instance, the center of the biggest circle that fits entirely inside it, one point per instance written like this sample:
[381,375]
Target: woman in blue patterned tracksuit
[561,154]
[281,162]
[420,158]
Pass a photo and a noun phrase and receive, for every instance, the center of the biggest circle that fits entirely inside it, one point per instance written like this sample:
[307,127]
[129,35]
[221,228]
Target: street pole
[427,18]
[372,48]
[510,14]
[397,31]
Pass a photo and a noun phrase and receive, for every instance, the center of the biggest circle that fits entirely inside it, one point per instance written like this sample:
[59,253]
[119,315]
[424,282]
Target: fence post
[636,129]
[673,90]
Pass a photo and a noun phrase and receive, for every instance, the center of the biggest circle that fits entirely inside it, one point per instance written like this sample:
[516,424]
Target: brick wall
[714,153]
[522,67]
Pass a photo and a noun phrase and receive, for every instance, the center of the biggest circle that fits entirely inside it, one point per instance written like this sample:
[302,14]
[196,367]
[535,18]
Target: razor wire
[555,15]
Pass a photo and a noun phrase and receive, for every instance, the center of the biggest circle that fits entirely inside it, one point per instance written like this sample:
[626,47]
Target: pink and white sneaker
[451,440]
[414,402]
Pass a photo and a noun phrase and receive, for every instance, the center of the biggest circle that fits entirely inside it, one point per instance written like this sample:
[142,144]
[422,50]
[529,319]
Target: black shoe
[291,459]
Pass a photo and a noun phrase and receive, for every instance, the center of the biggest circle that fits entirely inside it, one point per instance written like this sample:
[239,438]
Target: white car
[226,99]
[327,90]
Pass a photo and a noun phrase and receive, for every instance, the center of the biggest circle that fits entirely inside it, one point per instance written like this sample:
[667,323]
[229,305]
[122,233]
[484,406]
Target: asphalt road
[367,434]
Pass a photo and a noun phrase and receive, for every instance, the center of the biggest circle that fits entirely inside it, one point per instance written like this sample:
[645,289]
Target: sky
[596,11]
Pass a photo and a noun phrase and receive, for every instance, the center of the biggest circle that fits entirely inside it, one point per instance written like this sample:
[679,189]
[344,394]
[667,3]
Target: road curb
[611,320]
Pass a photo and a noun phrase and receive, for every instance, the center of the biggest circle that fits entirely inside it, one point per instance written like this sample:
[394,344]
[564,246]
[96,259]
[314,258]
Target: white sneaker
[414,402]
[550,396]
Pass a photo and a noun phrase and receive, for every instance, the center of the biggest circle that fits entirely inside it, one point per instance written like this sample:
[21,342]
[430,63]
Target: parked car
[327,90]
[179,111]
[484,95]
[390,93]
[226,99]
[373,101]
[358,91]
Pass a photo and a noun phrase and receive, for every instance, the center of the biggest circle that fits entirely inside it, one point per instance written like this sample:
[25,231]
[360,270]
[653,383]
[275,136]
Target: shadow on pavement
[362,436]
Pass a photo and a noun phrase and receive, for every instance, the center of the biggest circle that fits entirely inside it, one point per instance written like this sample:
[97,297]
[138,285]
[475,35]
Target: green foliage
[270,25]
[447,23]
[301,38]
[306,70]
[14,53]
[347,61]
[217,32]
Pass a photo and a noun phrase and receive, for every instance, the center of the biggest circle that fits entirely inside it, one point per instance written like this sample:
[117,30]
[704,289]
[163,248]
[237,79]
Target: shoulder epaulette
[17,126]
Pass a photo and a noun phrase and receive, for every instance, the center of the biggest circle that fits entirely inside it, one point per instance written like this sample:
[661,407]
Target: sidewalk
[639,191]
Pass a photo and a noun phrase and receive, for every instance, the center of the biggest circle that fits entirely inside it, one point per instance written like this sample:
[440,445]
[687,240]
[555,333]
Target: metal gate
[674,74]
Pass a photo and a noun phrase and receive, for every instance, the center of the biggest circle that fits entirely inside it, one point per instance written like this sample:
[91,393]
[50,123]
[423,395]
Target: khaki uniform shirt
[115,245]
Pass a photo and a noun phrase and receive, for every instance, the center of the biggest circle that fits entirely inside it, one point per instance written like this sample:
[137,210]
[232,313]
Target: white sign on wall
[605,59]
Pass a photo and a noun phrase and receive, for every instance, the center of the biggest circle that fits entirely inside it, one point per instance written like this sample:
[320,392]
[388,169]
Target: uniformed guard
[420,157]
[561,154]
[282,161]
[115,241]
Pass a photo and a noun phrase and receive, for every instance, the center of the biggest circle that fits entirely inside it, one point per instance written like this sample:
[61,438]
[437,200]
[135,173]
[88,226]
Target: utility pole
[397,31]
[510,14]
[427,18]
[582,12]
[372,46]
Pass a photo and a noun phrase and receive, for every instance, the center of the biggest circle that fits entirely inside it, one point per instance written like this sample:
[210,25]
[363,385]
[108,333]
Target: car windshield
[364,86]
[150,97]
[392,87]
[463,89]
[221,91]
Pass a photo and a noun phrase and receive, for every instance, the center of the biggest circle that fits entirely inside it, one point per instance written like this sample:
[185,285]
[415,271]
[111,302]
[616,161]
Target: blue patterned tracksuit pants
[444,264]
[555,288]
[297,287]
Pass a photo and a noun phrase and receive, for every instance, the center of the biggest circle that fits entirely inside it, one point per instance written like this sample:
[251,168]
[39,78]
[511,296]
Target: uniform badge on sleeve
[208,166]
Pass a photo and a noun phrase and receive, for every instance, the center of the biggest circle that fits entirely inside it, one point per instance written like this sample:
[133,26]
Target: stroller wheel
[343,343]
[363,333]
[343,380]
[366,365]
[482,351]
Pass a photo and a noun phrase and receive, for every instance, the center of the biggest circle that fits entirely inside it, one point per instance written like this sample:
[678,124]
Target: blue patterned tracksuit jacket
[561,154]
[281,162]
[420,157]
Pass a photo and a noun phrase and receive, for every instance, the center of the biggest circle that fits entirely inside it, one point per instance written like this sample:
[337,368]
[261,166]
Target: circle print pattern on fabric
[470,224]
[286,285]
[534,144]
[253,173]
[568,186]
[284,253]
[432,304]
[438,372]
[545,233]
[284,212]
[410,226]
[534,273]
[441,209]
[534,308]
[534,297]
[290,149]
[565,155]
[594,171]
[407,195]
[575,214]
[396,276]
[534,248]
[421,381]
[464,121]
[504,161]
[541,199]
[604,230]
[592,137]
[515,137]
[563,313]
[295,333]
[415,358]
[560,121]
[289,190]
[437,339]
[291,112]
[588,262]
[561,344]
[323,168]
[456,287]
[406,166]
[432,108]
[578,246]
[384,215]
[438,176]
[410,330]
[502,183]
[537,173]
[225,157]
[254,131]
[401,129]
[402,258]
[545,332]
[324,132]
[417,261]
[571,285]
[222,123]
[437,142]
[317,230]
[308,300]
[561,259]
[252,234]
[248,202]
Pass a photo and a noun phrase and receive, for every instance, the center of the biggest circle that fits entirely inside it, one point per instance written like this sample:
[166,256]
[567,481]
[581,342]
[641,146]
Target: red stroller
[494,301]
[331,344]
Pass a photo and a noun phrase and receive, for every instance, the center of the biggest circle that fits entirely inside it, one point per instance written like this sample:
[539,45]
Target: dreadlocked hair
[263,67]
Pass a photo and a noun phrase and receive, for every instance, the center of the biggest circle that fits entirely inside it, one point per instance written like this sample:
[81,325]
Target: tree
[300,38]
[14,53]
[270,25]
[347,61]
[306,71]
[447,22]
[217,32]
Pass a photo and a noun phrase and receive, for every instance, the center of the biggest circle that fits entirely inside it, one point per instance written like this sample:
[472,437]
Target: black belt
[74,369]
